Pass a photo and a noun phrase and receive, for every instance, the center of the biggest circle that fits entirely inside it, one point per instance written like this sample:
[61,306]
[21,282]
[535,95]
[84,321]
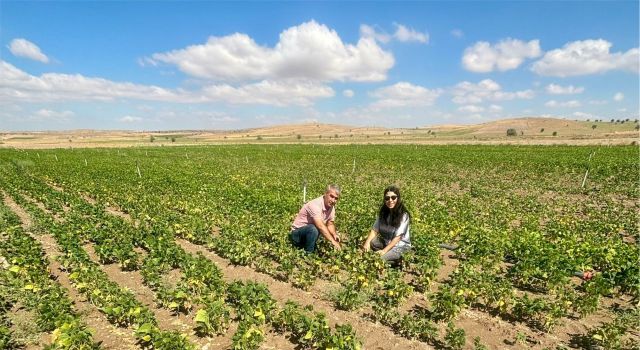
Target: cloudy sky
[145,65]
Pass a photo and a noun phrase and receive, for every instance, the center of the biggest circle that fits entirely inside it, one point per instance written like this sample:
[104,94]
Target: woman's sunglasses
[386,198]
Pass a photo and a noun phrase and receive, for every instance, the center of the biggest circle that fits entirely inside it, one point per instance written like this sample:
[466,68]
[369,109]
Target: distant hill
[527,131]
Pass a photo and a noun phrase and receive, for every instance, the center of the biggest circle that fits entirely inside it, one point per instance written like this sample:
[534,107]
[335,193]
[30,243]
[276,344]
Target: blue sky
[165,65]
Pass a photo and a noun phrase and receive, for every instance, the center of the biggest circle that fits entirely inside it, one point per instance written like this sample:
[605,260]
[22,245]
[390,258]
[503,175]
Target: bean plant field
[514,247]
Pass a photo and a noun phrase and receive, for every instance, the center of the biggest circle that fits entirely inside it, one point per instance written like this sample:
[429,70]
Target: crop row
[201,284]
[521,220]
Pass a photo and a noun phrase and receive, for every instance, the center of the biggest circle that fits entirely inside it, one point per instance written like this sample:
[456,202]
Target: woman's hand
[367,243]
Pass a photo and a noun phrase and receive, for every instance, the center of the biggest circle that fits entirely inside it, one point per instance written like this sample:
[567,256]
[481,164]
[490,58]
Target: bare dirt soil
[494,332]
[110,336]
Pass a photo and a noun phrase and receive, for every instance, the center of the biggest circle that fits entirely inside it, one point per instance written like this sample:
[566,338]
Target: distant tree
[542,130]
[152,138]
[319,136]
[336,135]
[626,120]
[555,133]
[259,138]
[521,133]
[299,136]
[512,132]
[638,127]
[588,120]
[351,135]
[593,126]
[173,139]
[612,120]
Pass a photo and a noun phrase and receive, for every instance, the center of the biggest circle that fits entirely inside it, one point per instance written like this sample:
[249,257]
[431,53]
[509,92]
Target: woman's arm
[367,243]
[391,244]
[400,232]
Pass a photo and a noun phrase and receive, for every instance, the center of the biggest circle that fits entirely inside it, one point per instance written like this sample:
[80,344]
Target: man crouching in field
[317,217]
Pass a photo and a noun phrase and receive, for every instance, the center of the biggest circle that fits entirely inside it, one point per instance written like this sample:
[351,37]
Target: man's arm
[328,231]
[331,226]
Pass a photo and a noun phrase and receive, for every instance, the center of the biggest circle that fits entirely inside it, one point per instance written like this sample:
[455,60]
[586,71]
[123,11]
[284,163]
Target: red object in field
[587,275]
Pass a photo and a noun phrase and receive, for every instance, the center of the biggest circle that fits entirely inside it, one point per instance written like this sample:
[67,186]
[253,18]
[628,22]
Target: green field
[525,220]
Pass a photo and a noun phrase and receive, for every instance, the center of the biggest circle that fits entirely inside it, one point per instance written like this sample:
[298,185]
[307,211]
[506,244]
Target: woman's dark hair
[393,216]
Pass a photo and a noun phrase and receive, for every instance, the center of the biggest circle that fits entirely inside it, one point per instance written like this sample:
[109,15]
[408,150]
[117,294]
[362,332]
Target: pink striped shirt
[312,209]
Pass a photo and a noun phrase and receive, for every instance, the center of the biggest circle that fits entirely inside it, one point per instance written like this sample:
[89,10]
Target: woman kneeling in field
[390,233]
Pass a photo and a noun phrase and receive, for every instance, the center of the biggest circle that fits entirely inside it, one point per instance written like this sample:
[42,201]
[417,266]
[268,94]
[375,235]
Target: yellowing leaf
[308,336]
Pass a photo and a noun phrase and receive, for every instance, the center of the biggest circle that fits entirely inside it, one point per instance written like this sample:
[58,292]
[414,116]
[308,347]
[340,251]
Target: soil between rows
[373,335]
[493,331]
[110,336]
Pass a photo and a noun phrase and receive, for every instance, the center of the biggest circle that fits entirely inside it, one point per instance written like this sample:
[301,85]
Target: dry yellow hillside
[528,130]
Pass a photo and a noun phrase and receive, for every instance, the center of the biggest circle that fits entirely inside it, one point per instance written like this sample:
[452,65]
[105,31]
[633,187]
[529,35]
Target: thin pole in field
[304,191]
[354,166]
[55,155]
[138,168]
[584,180]
[85,162]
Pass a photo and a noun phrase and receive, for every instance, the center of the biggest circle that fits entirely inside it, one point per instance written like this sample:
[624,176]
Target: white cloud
[279,93]
[404,94]
[17,85]
[584,115]
[598,102]
[586,57]
[619,96]
[622,110]
[565,104]
[367,31]
[215,117]
[348,93]
[457,33]
[402,34]
[505,55]
[486,90]
[471,109]
[405,34]
[495,108]
[310,51]
[130,119]
[27,49]
[563,90]
[51,115]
